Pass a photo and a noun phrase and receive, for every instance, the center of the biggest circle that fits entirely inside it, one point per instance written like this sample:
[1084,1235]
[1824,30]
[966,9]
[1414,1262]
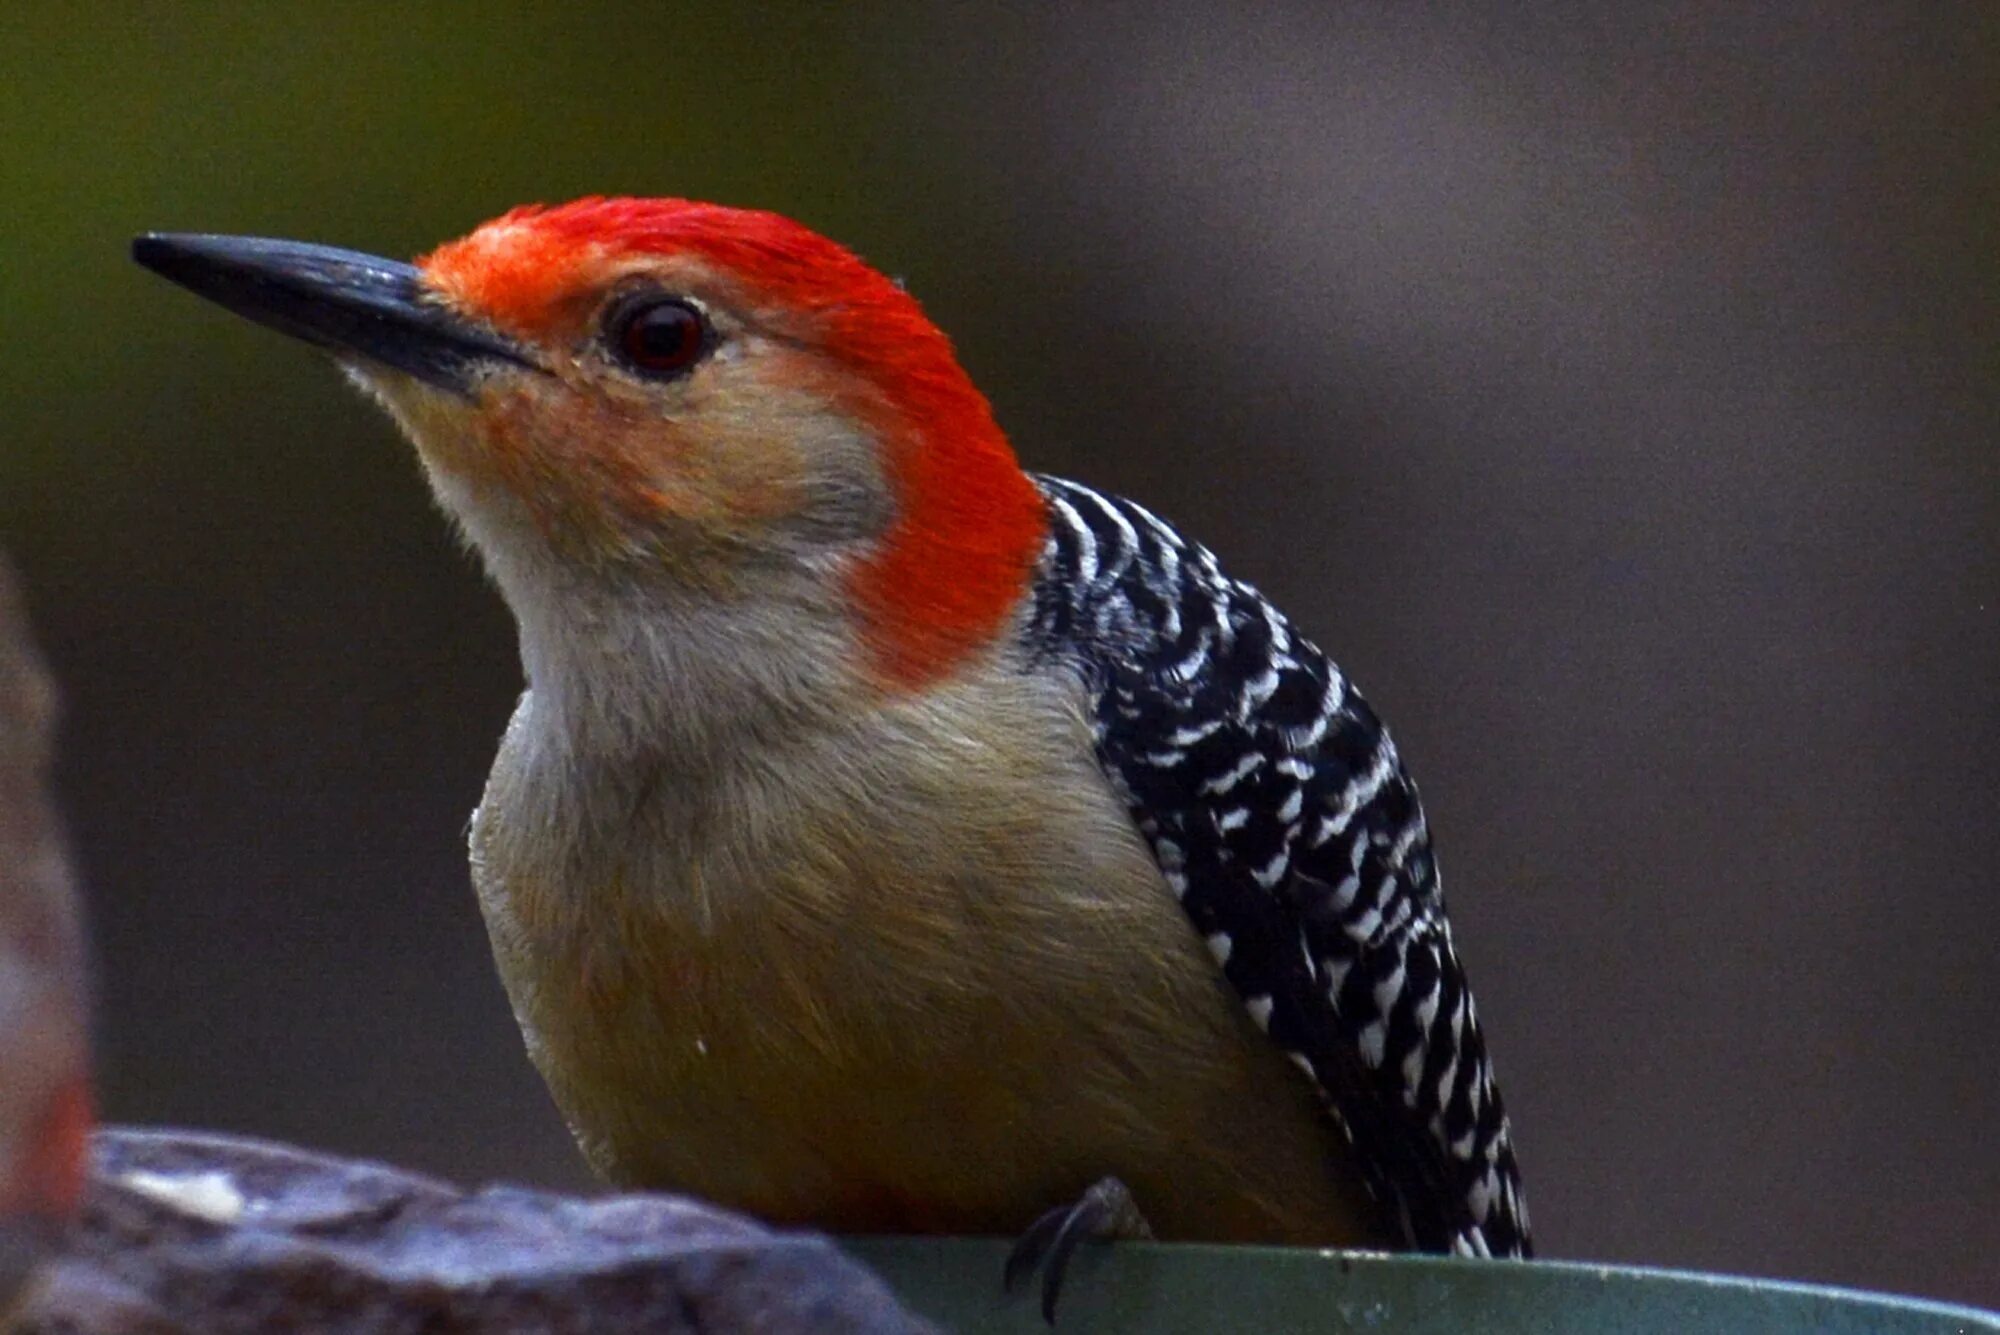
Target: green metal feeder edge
[1161,1289]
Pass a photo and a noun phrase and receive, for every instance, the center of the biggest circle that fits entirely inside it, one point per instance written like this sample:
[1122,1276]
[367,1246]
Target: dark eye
[660,337]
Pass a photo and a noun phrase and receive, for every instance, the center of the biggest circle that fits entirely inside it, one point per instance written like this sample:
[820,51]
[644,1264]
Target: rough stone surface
[205,1233]
[44,1095]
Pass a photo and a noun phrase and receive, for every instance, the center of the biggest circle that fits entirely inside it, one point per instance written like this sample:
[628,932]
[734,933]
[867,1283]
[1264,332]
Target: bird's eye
[661,337]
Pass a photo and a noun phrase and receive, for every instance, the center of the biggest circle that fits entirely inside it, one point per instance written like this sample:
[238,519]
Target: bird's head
[656,394]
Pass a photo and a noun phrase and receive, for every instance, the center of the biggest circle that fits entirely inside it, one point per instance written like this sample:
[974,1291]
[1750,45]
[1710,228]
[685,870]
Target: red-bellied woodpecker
[890,838]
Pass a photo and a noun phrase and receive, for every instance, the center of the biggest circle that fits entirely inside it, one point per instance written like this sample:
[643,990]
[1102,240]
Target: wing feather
[1283,818]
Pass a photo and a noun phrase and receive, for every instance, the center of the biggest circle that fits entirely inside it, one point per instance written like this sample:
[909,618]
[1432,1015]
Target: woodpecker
[889,838]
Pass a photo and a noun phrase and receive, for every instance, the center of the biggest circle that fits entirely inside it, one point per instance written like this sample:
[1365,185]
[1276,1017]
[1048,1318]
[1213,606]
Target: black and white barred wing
[1281,815]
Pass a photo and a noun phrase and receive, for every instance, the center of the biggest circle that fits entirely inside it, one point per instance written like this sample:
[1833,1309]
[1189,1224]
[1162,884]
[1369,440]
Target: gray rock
[191,1232]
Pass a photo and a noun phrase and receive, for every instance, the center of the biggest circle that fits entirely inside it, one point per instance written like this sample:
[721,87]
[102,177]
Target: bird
[890,838]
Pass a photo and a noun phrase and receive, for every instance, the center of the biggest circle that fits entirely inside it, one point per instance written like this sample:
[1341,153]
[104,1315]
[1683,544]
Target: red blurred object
[45,1107]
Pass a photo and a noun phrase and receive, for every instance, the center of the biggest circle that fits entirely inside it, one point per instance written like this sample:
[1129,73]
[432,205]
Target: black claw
[1033,1246]
[1104,1211]
[1085,1219]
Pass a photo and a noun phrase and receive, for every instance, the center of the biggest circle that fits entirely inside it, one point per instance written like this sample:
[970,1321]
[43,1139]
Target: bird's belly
[910,1070]
[947,993]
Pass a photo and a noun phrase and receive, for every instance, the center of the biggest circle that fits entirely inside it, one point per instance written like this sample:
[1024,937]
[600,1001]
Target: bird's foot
[1105,1211]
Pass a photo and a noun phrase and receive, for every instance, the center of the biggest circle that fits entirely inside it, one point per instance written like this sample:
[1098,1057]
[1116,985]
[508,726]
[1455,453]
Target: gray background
[1615,397]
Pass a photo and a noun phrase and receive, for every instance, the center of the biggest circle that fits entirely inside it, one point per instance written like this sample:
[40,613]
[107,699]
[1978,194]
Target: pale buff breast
[914,973]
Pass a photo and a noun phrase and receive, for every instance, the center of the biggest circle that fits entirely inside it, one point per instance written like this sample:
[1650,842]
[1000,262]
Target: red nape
[956,563]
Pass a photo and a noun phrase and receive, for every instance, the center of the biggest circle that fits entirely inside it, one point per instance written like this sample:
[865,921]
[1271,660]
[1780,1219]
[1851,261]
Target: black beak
[341,300]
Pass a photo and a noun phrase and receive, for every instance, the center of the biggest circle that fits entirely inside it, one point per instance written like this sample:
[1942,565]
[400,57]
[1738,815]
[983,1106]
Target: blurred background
[1615,397]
